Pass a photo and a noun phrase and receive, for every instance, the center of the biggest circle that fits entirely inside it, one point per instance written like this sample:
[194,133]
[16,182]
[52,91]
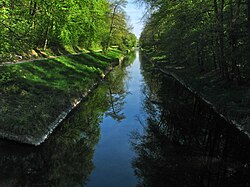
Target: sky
[135,13]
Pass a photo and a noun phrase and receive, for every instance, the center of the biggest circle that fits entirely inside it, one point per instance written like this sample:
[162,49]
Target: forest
[213,35]
[205,46]
[84,103]
[62,26]
[53,54]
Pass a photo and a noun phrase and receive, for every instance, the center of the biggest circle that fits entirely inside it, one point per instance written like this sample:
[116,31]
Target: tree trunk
[248,28]
[222,44]
[213,50]
[200,60]
[217,41]
[33,8]
[111,25]
[214,60]
[234,40]
[46,38]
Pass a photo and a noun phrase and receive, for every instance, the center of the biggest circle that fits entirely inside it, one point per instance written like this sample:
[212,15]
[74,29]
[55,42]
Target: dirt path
[43,58]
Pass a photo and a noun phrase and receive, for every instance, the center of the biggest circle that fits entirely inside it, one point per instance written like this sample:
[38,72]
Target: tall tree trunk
[217,41]
[200,60]
[33,8]
[224,65]
[112,20]
[213,50]
[47,33]
[248,28]
[234,39]
[46,38]
[111,25]
[219,15]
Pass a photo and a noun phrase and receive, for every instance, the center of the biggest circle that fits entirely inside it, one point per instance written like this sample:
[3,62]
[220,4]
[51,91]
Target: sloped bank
[35,97]
[214,96]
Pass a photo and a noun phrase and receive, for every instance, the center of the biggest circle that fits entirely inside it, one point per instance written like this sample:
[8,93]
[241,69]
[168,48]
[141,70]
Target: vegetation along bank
[206,46]
[35,96]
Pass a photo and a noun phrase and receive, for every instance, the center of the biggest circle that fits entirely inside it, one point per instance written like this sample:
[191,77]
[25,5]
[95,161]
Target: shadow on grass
[34,94]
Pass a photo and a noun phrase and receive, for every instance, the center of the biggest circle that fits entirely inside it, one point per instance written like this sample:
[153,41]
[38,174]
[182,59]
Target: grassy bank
[229,98]
[34,94]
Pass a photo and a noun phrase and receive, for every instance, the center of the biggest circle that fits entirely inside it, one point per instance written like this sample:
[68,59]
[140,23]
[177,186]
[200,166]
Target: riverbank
[230,100]
[36,96]
[42,55]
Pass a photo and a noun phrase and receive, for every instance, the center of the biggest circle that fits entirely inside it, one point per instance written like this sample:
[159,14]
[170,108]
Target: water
[185,143]
[113,154]
[138,128]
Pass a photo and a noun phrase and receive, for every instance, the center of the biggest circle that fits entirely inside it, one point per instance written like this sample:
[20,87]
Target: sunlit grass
[33,94]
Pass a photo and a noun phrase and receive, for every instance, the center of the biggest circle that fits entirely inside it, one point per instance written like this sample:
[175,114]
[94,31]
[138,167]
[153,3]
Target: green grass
[33,94]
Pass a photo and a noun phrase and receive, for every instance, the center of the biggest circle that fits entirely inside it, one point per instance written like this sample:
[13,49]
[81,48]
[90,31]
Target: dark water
[185,143]
[138,128]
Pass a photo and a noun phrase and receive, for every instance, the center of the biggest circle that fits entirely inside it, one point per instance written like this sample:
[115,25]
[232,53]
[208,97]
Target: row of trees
[215,32]
[28,24]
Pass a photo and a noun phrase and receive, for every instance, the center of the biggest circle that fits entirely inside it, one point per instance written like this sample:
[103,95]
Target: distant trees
[212,32]
[28,24]
[119,30]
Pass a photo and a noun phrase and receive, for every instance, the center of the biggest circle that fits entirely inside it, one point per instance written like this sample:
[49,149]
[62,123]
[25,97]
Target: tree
[118,25]
[66,24]
[211,33]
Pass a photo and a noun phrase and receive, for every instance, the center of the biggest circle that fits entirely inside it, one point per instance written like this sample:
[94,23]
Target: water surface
[138,128]
[113,154]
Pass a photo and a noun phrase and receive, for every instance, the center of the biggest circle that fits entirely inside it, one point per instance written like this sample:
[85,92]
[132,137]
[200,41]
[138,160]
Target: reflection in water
[117,89]
[117,93]
[113,155]
[185,143]
[65,159]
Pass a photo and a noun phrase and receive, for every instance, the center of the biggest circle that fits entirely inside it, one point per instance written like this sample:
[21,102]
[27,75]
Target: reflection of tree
[116,102]
[186,144]
[116,89]
[75,147]
[65,159]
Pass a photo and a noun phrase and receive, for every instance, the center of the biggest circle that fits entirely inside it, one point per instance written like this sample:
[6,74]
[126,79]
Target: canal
[138,128]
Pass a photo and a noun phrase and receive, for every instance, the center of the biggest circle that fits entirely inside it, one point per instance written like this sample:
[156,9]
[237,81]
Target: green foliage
[30,24]
[66,158]
[210,34]
[119,30]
